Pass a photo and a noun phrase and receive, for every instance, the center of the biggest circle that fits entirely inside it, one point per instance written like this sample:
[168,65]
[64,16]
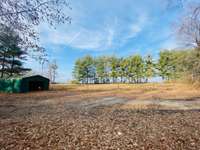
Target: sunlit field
[135,91]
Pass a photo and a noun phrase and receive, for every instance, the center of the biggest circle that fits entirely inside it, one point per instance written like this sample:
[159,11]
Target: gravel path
[168,104]
[14,109]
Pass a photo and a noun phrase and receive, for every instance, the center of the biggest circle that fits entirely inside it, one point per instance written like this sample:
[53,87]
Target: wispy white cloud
[137,27]
[110,37]
[74,37]
[94,29]
[101,38]
[81,39]
[170,43]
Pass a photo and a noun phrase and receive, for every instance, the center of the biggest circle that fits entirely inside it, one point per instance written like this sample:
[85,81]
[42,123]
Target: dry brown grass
[135,91]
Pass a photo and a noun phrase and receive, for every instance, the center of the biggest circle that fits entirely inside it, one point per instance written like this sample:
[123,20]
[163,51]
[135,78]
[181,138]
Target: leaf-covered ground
[95,119]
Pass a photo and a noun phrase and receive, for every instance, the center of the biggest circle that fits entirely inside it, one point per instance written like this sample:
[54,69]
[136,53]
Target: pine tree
[149,70]
[11,54]
[114,65]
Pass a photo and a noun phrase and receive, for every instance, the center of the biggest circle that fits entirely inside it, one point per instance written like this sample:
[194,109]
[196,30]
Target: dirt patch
[164,104]
[109,101]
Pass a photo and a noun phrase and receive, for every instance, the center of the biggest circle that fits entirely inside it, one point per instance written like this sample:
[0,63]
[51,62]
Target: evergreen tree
[78,71]
[172,64]
[123,73]
[168,64]
[100,65]
[149,70]
[11,54]
[89,68]
[136,69]
[114,66]
[84,70]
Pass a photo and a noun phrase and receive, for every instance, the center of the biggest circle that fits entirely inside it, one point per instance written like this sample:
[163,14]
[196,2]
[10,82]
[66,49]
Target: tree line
[110,69]
[171,65]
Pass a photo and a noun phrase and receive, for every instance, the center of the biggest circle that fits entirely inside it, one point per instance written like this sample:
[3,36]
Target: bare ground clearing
[152,116]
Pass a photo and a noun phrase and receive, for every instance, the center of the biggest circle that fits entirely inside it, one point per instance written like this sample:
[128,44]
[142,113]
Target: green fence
[10,85]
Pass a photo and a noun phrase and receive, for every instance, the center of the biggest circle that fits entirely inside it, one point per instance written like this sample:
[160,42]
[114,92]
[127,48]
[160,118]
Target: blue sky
[110,27]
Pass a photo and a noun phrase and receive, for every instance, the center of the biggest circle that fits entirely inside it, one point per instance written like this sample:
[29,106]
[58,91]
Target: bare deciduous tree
[189,29]
[189,33]
[52,71]
[24,15]
[33,12]
[175,3]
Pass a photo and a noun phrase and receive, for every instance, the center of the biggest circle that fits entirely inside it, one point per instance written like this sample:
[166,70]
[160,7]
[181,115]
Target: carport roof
[28,75]
[32,75]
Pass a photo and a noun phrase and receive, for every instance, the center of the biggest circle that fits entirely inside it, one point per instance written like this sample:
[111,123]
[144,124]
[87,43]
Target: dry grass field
[119,116]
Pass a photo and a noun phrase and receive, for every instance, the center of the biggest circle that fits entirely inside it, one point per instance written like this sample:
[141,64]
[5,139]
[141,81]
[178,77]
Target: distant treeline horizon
[171,65]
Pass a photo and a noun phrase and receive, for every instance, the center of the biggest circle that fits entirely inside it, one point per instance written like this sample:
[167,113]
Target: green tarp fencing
[10,85]
[24,84]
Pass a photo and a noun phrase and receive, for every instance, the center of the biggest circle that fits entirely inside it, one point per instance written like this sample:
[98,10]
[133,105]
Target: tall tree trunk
[3,66]
[12,66]
[94,79]
[87,77]
[54,76]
